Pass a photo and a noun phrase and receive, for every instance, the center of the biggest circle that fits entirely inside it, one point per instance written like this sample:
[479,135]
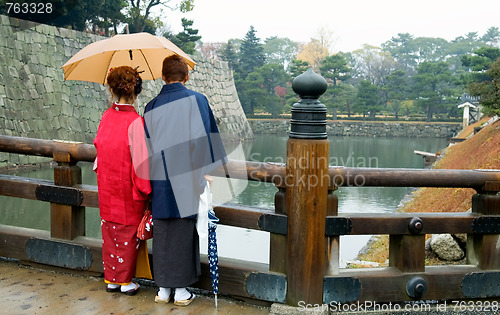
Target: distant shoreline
[404,129]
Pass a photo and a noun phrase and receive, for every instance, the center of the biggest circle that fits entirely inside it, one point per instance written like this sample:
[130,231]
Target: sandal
[160,300]
[108,289]
[185,302]
[132,291]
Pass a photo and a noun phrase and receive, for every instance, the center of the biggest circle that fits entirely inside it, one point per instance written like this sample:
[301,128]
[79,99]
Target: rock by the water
[446,247]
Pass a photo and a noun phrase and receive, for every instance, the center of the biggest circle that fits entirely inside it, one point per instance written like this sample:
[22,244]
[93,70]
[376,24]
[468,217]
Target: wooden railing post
[407,252]
[332,242]
[277,246]
[66,221]
[483,248]
[306,183]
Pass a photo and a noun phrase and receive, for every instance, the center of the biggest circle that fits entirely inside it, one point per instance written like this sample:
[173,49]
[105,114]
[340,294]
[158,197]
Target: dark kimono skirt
[176,252]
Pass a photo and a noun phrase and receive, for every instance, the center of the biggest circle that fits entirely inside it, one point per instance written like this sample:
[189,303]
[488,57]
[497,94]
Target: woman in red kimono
[123,194]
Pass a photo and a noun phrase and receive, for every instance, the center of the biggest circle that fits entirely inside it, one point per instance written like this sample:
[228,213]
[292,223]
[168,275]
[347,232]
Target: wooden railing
[406,278]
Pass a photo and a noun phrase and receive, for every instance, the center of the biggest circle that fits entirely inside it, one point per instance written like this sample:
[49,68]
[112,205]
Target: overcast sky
[352,22]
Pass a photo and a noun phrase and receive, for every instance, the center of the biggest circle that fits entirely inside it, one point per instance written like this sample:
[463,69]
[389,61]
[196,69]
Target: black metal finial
[308,115]
[309,85]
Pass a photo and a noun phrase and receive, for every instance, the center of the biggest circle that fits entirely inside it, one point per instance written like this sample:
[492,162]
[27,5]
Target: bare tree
[211,50]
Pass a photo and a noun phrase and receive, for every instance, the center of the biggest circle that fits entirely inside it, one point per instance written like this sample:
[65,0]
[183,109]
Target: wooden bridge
[407,278]
[304,226]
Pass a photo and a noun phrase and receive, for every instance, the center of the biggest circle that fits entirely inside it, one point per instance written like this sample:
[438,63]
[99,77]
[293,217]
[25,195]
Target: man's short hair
[174,69]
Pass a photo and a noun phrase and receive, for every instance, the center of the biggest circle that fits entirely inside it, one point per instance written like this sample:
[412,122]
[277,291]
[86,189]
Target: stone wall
[376,129]
[36,102]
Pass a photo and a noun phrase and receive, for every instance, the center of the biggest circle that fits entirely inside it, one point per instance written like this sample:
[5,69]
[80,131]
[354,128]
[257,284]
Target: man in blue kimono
[184,147]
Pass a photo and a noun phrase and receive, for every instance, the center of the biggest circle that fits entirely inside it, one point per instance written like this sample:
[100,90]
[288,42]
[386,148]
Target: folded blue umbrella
[213,258]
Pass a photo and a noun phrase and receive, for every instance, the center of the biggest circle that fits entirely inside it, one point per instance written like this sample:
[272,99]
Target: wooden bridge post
[482,247]
[306,183]
[66,221]
[278,242]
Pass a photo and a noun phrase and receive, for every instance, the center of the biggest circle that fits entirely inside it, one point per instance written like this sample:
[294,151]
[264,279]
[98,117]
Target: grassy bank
[479,151]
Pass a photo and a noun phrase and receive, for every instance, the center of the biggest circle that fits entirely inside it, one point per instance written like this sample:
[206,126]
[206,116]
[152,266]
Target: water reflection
[254,245]
[350,152]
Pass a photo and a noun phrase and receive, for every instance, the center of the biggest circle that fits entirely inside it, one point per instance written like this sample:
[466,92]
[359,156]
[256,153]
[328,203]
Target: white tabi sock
[181,294]
[129,286]
[164,293]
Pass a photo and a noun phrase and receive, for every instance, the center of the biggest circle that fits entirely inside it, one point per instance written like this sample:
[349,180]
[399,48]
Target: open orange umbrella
[142,50]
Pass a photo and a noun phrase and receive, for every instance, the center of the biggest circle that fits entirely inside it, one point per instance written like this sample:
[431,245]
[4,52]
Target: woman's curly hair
[124,81]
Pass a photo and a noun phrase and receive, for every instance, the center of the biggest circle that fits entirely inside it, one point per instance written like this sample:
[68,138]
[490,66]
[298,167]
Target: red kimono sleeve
[140,160]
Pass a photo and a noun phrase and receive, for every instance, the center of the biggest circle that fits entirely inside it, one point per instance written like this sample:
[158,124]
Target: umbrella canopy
[142,50]
[213,258]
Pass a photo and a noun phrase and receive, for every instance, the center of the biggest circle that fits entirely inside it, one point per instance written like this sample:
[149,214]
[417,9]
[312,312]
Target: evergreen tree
[335,69]
[402,48]
[251,57]
[297,67]
[250,91]
[489,90]
[92,15]
[481,59]
[396,89]
[274,77]
[484,80]
[228,53]
[491,37]
[139,15]
[111,15]
[186,40]
[434,87]
[251,53]
[367,100]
